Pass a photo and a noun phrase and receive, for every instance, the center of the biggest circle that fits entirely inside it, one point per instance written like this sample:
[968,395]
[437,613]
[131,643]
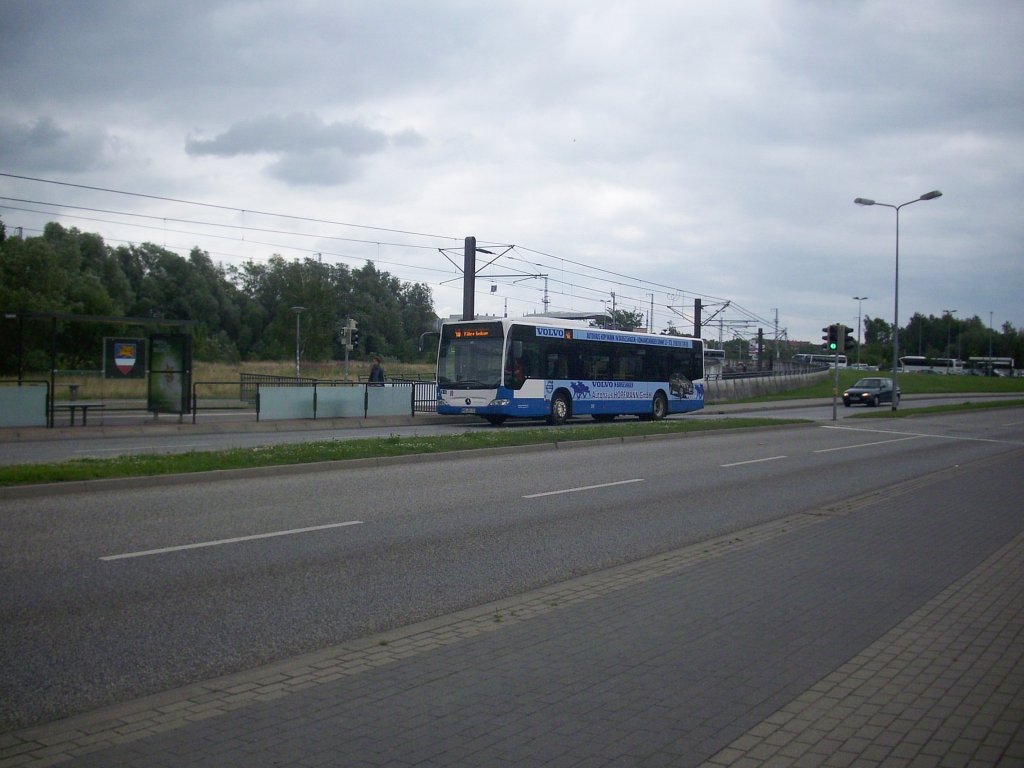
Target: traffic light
[848,341]
[353,334]
[831,337]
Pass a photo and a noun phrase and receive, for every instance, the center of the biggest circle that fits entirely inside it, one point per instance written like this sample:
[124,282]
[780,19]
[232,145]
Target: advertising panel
[170,375]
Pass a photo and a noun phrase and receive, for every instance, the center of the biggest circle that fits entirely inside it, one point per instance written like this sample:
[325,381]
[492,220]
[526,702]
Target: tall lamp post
[298,313]
[860,326]
[896,311]
[949,332]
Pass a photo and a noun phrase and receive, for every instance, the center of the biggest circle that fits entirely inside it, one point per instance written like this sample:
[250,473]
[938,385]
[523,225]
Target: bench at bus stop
[71,408]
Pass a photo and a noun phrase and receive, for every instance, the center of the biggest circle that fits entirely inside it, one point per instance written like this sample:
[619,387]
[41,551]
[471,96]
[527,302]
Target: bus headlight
[500,402]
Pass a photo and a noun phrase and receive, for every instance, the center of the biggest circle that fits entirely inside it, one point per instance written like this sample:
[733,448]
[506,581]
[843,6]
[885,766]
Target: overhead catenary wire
[555,286]
[217,206]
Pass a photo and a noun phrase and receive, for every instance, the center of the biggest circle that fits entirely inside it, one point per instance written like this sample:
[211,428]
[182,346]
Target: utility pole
[776,310]
[298,313]
[469,279]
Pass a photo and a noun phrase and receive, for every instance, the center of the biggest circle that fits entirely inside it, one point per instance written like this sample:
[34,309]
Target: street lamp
[949,328]
[896,311]
[859,299]
[298,313]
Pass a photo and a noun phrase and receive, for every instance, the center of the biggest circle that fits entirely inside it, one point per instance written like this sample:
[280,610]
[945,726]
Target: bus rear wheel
[559,410]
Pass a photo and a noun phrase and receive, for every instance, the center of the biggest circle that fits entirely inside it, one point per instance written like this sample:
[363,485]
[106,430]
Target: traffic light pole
[833,335]
[835,381]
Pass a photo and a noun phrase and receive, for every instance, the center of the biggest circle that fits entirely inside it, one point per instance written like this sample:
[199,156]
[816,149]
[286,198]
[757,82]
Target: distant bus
[808,359]
[551,368]
[713,356]
[714,363]
[991,366]
[920,364]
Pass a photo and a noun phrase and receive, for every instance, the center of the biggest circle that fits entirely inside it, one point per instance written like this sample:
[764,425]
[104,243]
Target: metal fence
[424,392]
[424,399]
[249,384]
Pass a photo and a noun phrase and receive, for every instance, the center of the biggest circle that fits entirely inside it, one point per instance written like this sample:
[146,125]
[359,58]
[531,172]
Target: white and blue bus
[990,366]
[829,360]
[551,368]
[921,364]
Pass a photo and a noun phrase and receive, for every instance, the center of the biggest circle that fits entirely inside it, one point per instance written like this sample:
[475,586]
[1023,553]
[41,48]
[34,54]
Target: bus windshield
[470,356]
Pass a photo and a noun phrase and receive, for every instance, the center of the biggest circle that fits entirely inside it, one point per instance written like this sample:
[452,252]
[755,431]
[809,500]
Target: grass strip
[340,450]
[909,383]
[885,411]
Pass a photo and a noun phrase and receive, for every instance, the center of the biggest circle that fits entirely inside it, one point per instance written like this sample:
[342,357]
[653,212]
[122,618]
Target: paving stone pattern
[876,632]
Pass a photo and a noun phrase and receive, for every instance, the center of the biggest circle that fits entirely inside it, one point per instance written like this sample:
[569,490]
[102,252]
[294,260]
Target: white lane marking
[926,434]
[753,461]
[582,488]
[236,540]
[865,445]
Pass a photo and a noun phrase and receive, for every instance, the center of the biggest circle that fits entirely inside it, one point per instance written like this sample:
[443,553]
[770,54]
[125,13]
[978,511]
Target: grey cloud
[299,133]
[408,138]
[309,151]
[320,168]
[44,145]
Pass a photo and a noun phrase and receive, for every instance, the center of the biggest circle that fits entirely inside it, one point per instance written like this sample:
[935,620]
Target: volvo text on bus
[556,369]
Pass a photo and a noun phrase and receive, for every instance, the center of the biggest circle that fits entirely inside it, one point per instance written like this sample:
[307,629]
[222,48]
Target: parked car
[870,392]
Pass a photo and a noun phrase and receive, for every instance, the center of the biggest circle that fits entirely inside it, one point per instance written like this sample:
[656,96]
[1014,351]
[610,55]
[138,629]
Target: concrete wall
[725,390]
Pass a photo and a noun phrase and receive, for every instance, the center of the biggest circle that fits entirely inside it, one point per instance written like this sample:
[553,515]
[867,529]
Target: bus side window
[556,368]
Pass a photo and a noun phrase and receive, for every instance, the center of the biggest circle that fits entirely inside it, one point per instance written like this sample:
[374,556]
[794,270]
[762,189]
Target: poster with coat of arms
[124,358]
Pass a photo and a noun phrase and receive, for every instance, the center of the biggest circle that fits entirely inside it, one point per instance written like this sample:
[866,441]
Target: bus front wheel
[659,410]
[559,410]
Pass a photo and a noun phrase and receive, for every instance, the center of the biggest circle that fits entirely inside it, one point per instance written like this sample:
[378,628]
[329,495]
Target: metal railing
[423,394]
[249,384]
[424,399]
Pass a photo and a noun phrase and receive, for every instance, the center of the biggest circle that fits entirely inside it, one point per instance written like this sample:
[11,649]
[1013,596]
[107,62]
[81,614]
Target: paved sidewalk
[942,688]
[881,631]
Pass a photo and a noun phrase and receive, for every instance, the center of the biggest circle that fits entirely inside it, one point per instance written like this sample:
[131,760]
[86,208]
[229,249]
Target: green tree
[239,313]
[625,320]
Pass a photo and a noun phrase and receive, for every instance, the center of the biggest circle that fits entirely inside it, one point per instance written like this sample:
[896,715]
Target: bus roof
[556,321]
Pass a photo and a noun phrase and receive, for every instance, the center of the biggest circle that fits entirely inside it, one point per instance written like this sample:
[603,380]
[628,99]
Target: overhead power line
[220,207]
[557,286]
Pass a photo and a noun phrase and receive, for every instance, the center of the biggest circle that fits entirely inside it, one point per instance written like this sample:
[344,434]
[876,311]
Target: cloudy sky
[655,150]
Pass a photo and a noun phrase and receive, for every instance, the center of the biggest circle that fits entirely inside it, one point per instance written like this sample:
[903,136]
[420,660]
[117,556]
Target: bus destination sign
[473,332]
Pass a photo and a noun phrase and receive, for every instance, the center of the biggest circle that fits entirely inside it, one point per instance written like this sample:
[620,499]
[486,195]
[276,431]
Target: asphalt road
[136,434]
[111,595]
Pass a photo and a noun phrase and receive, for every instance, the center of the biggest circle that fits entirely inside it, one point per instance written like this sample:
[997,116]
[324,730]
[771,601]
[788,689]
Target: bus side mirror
[421,347]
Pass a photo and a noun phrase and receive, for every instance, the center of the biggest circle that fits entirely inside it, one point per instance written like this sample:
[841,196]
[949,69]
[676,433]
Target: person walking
[376,378]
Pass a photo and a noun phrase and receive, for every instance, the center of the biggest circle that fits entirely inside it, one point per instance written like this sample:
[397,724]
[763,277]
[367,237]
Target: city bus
[714,362]
[990,366]
[714,356]
[556,369]
[807,359]
[921,364]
